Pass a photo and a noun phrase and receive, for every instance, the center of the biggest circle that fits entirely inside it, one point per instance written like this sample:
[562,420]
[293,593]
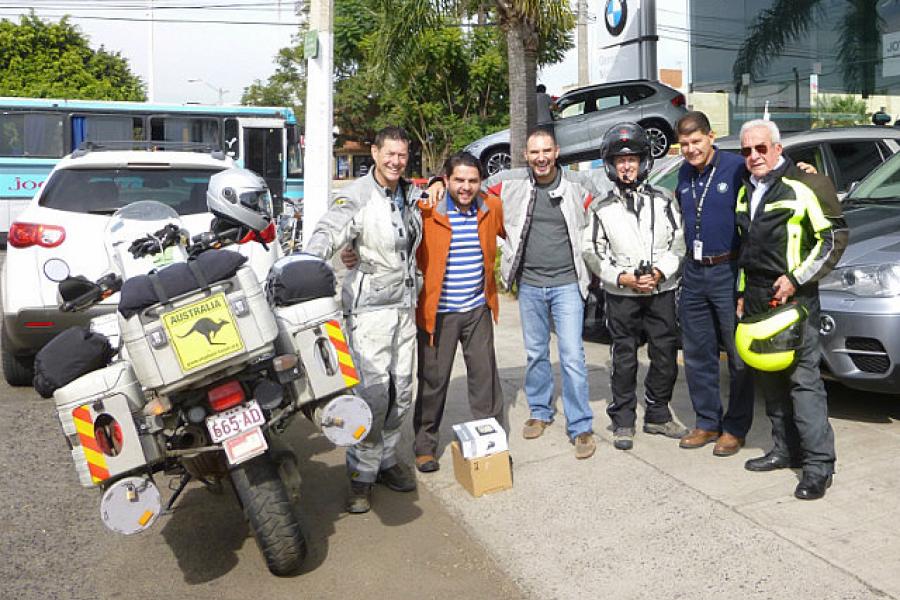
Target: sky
[187,42]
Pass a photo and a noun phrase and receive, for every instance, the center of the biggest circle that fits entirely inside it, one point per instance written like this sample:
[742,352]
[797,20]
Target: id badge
[698,250]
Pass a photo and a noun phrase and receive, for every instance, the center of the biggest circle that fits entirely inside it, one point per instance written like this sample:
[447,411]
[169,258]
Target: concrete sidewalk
[667,523]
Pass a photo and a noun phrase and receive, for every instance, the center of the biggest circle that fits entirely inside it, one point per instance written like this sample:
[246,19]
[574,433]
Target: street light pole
[220,91]
[319,115]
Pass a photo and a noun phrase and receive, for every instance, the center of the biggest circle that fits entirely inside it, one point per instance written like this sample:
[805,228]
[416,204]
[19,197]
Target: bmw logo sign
[616,16]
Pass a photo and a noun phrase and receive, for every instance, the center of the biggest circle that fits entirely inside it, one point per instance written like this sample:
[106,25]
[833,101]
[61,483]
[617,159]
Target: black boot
[812,486]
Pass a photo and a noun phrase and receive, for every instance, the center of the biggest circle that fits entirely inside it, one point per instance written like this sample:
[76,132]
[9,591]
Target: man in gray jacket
[544,217]
[634,242]
[378,216]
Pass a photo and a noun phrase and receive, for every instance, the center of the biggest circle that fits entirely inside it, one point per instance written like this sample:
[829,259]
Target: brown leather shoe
[727,445]
[534,428]
[698,438]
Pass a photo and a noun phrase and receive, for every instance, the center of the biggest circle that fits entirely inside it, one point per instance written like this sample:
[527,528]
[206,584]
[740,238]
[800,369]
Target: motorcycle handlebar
[104,287]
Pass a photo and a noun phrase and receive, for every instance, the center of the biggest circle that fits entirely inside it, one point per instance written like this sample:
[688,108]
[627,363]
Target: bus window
[106,128]
[231,138]
[182,129]
[294,153]
[32,134]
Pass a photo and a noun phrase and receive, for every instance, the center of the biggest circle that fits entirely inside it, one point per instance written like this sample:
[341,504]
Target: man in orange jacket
[457,302]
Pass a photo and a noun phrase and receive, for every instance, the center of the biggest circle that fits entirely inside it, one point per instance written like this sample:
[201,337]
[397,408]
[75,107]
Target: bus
[36,132]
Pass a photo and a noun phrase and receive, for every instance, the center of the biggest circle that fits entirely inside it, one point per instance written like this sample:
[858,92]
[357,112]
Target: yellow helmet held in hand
[769,341]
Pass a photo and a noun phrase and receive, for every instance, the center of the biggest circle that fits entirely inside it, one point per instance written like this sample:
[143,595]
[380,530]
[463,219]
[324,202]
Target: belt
[718,259]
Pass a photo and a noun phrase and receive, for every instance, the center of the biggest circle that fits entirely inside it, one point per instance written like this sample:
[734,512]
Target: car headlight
[876,281]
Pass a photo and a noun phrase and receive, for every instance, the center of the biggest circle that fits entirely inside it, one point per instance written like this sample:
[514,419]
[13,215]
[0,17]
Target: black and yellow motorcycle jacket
[798,230]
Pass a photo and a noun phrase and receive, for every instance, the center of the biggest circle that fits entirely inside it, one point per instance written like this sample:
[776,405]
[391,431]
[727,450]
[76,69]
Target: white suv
[66,220]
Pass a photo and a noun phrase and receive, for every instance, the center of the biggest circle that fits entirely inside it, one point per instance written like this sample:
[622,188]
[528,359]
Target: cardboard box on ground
[481,461]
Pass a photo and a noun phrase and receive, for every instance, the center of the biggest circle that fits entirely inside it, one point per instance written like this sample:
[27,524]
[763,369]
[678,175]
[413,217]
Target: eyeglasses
[760,149]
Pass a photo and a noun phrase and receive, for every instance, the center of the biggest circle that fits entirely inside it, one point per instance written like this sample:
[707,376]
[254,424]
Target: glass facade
[816,62]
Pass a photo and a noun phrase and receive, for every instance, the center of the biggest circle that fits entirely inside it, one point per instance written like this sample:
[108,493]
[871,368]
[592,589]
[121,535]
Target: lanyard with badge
[698,205]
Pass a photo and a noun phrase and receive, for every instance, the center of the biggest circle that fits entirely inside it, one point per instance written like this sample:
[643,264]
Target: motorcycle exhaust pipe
[345,420]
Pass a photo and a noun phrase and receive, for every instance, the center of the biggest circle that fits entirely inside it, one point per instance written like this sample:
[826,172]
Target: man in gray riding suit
[378,216]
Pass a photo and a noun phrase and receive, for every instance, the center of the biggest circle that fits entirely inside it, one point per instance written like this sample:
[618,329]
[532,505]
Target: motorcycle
[290,226]
[204,381]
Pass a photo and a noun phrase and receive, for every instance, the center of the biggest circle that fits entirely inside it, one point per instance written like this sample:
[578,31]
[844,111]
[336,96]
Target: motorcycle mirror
[56,270]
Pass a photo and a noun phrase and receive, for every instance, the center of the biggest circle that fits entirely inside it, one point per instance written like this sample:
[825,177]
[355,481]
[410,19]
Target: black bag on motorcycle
[298,278]
[71,354]
[176,279]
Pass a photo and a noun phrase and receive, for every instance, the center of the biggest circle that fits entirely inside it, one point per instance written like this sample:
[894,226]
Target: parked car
[583,115]
[860,316]
[66,221]
[845,154]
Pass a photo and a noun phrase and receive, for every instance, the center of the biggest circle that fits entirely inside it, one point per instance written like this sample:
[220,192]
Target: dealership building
[808,64]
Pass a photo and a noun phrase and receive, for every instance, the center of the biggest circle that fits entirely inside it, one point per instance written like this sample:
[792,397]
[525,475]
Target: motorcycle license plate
[203,332]
[235,421]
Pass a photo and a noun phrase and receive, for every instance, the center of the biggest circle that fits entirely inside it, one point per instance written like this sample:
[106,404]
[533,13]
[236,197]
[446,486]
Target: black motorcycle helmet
[626,139]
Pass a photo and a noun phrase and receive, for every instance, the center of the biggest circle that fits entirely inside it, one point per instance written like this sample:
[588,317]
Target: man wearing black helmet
[634,242]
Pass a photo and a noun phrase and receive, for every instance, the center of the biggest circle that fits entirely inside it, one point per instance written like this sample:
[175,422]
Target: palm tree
[858,47]
[525,23]
[535,30]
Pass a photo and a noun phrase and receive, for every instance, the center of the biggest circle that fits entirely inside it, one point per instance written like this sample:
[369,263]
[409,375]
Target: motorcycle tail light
[24,235]
[223,397]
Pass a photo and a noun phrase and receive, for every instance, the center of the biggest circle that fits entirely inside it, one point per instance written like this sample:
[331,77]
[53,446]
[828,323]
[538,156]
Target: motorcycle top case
[314,330]
[200,334]
[97,412]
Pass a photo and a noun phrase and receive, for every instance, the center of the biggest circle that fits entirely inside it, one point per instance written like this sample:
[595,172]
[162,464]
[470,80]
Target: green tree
[285,87]
[840,111]
[528,23]
[536,32]
[54,60]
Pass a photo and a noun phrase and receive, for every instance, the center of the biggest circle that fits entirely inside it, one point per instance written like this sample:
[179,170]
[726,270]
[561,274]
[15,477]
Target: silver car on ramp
[860,316]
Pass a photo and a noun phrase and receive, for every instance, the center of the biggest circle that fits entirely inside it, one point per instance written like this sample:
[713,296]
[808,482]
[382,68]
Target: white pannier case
[314,331]
[204,334]
[100,414]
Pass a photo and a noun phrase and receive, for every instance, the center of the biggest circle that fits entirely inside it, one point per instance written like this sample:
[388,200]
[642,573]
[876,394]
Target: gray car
[582,116]
[860,317]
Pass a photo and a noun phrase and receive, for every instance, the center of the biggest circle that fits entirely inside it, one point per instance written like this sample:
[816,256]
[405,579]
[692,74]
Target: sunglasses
[760,149]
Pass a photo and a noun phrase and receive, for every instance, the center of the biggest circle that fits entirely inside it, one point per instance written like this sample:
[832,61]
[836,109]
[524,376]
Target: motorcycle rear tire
[268,509]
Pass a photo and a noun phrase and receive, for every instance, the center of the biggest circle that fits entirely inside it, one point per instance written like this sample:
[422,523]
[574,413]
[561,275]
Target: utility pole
[319,51]
[150,68]
[582,41]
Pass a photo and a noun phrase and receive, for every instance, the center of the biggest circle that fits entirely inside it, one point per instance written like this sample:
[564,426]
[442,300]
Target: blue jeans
[707,306]
[564,304]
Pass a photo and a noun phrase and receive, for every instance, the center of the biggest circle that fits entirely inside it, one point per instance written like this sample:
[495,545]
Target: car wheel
[497,160]
[17,370]
[660,139]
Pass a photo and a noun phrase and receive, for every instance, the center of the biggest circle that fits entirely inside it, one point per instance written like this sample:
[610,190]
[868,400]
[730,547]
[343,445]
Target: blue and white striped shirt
[463,286]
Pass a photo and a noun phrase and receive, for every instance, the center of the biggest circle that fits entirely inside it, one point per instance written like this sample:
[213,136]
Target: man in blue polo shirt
[708,183]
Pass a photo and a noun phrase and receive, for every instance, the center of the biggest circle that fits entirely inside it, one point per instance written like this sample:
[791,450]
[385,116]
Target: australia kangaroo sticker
[203,332]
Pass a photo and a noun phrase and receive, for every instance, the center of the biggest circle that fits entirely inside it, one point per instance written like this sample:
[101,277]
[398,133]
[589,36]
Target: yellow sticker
[203,332]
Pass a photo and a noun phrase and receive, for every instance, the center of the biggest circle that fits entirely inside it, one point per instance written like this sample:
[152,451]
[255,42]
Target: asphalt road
[53,544]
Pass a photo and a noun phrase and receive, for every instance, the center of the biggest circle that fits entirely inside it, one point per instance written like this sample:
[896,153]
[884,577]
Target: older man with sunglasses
[792,234]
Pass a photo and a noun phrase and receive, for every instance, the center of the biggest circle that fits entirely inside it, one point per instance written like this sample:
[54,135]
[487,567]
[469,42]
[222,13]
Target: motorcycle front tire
[268,509]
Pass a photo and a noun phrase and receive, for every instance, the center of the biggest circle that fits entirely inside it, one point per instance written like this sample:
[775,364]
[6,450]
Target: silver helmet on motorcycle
[241,197]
